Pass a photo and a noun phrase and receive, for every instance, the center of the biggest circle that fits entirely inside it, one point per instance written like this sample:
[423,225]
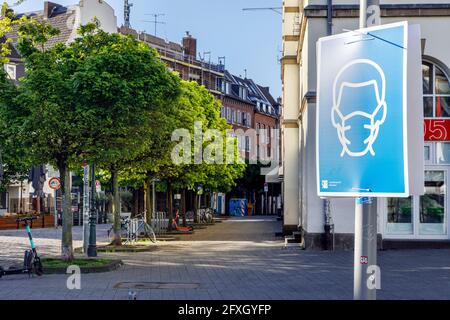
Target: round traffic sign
[54,183]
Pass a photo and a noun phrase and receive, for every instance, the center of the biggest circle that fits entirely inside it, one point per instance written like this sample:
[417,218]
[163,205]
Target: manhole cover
[156,285]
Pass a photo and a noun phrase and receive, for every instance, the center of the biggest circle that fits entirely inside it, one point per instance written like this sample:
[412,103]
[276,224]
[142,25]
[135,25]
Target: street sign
[54,184]
[370,113]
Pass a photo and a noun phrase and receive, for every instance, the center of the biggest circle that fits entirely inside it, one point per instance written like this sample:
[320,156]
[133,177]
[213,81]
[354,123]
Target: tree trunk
[116,208]
[148,200]
[170,198]
[67,216]
[196,208]
[183,206]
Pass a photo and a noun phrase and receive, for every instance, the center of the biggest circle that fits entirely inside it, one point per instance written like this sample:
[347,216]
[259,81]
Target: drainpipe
[329,17]
[328,239]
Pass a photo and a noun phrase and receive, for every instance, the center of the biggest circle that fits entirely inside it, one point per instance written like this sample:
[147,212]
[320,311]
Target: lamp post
[92,248]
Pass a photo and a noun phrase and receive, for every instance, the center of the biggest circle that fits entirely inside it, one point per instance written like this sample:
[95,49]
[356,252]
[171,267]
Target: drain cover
[156,285]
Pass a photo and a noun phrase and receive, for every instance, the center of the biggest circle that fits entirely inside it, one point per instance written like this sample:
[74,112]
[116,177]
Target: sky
[249,40]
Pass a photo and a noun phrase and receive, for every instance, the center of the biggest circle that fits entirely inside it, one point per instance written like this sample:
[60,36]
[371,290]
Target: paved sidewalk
[237,259]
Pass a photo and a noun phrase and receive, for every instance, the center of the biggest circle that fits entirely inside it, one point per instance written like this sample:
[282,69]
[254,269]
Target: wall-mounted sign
[370,113]
[437,129]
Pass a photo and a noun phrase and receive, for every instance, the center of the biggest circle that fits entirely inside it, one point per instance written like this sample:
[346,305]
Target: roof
[258,95]
[61,17]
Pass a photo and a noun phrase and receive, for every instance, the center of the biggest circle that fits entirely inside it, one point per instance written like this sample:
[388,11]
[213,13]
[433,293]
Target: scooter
[175,225]
[31,263]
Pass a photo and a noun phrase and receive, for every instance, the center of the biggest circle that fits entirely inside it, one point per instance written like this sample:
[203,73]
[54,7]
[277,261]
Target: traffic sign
[54,184]
[266,187]
[370,113]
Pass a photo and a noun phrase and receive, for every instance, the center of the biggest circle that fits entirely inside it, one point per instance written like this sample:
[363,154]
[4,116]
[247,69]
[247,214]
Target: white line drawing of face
[374,119]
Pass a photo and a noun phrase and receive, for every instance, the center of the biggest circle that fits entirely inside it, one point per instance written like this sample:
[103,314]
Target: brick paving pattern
[239,259]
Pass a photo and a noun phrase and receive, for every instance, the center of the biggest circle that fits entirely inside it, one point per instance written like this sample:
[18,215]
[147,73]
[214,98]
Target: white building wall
[343,209]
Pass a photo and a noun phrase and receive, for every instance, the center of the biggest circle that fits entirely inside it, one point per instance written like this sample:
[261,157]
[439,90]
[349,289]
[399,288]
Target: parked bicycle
[144,230]
[134,229]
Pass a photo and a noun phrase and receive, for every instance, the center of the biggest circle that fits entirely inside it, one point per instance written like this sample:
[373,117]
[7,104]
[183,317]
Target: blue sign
[362,129]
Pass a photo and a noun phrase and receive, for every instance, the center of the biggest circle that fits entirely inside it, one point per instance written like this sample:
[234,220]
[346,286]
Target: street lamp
[92,248]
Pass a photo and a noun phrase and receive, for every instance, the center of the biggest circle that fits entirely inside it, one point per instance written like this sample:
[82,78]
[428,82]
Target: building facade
[184,59]
[420,220]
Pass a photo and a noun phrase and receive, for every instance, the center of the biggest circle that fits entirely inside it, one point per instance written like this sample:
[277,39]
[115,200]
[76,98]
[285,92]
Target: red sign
[437,129]
[54,183]
[364,260]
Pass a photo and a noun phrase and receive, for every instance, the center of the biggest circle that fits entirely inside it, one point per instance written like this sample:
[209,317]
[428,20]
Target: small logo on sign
[364,260]
[325,184]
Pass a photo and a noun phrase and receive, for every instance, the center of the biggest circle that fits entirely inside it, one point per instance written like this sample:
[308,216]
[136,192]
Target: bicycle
[145,229]
[206,215]
[31,262]
[124,225]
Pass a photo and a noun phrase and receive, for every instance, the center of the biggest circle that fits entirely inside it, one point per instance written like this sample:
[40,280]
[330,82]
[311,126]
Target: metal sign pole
[365,217]
[56,209]
[86,209]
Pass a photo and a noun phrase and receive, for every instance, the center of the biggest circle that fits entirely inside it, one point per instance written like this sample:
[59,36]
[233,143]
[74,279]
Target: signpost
[369,125]
[55,184]
[86,207]
[266,198]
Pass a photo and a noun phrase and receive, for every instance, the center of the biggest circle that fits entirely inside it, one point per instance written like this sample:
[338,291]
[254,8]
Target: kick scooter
[31,262]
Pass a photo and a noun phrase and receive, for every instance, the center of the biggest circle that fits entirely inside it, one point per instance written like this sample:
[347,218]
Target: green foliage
[196,104]
[7,22]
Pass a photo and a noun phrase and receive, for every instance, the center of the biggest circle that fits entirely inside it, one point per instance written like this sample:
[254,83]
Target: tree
[206,163]
[13,156]
[124,90]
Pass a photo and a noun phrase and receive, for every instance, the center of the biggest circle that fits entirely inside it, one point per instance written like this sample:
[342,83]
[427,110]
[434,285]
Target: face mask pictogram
[359,106]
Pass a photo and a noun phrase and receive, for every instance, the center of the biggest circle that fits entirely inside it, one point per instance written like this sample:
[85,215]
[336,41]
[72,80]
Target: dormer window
[10,70]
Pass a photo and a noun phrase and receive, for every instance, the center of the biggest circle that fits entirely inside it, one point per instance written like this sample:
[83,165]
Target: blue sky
[248,40]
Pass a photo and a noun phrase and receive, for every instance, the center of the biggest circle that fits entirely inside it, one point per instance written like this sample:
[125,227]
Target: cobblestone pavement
[239,259]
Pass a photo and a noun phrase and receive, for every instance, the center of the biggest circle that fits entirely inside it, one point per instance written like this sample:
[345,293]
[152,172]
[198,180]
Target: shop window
[400,216]
[3,201]
[443,153]
[432,204]
[436,90]
[427,153]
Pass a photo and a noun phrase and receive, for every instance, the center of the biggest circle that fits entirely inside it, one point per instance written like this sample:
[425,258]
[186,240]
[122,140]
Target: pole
[153,198]
[86,208]
[56,208]
[92,248]
[365,254]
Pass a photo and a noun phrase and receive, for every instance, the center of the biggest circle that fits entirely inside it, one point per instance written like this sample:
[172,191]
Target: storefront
[423,219]
[426,217]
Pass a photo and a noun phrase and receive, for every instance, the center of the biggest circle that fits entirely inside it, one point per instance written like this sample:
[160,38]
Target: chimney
[48,9]
[190,45]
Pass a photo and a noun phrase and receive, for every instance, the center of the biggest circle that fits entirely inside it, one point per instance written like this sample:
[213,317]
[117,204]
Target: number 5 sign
[437,130]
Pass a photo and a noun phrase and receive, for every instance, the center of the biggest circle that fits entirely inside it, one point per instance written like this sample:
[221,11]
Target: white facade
[303,23]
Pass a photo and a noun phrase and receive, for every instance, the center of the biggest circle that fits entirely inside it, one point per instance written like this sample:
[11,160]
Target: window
[223,112]
[436,90]
[10,70]
[443,153]
[427,153]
